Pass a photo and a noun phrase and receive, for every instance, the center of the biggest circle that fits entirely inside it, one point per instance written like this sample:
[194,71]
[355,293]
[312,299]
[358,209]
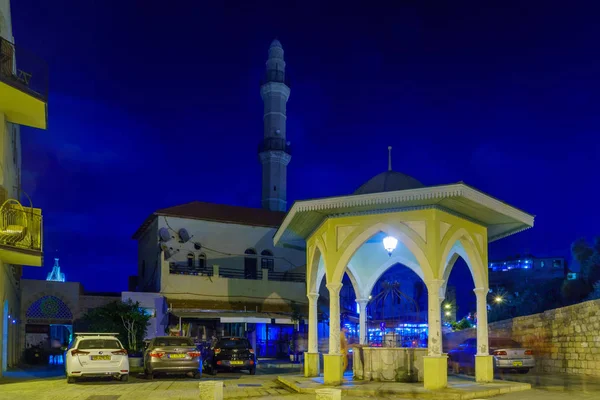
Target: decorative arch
[354,279]
[314,271]
[410,239]
[460,243]
[49,307]
[378,273]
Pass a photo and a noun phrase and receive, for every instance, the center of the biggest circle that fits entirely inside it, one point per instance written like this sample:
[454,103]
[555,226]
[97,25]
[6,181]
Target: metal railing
[20,227]
[185,269]
[274,144]
[275,76]
[23,70]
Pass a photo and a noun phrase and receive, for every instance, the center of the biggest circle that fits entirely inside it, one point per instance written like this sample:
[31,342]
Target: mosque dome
[389,181]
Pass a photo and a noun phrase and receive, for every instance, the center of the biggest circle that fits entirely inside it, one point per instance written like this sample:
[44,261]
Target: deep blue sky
[156,103]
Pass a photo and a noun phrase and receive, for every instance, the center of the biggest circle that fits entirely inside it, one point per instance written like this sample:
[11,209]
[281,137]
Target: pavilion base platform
[458,388]
[311,364]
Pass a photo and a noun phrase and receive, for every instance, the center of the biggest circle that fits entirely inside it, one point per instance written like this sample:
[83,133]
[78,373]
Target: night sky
[155,103]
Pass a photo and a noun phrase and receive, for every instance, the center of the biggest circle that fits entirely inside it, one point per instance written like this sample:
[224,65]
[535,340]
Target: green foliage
[462,324]
[574,291]
[128,319]
[588,257]
[595,294]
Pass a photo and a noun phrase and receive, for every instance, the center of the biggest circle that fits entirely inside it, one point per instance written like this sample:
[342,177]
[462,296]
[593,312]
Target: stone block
[332,369]
[211,390]
[436,372]
[312,366]
[328,394]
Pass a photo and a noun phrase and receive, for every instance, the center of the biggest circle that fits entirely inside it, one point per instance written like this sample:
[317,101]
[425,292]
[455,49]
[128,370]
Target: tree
[574,291]
[462,324]
[595,295]
[127,319]
[588,258]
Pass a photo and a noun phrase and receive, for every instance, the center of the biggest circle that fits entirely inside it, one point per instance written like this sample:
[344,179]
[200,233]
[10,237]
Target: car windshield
[172,341]
[90,344]
[232,344]
[504,343]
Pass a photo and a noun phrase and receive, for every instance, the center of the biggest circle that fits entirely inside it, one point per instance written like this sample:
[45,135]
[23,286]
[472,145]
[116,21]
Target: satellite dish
[197,246]
[166,250]
[164,235]
[184,236]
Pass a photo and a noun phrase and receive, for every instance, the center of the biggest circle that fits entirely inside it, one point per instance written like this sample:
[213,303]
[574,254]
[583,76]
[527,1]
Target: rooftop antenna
[389,158]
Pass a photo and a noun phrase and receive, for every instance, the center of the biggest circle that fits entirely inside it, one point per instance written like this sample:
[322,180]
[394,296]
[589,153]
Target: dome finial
[389,158]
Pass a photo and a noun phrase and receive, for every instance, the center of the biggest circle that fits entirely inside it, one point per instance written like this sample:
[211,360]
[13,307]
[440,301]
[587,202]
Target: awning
[229,316]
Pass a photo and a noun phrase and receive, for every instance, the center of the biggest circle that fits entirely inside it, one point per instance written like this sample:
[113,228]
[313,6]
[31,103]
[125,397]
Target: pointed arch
[460,243]
[378,273]
[49,307]
[315,269]
[405,235]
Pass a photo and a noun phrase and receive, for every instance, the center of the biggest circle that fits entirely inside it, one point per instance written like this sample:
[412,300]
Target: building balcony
[258,290]
[274,144]
[21,237]
[275,76]
[23,86]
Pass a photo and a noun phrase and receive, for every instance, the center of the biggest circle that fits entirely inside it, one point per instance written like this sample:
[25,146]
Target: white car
[95,355]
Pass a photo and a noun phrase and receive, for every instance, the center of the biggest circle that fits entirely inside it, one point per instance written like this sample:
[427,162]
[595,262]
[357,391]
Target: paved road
[52,386]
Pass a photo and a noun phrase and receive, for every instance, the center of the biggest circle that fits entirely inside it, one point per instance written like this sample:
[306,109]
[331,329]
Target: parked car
[508,355]
[95,355]
[231,353]
[172,354]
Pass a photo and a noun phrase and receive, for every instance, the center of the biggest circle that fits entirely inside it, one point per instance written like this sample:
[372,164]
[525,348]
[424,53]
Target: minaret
[274,151]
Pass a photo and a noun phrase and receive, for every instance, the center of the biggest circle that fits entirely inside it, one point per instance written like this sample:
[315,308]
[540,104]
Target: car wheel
[524,371]
[197,375]
[70,379]
[124,378]
[253,371]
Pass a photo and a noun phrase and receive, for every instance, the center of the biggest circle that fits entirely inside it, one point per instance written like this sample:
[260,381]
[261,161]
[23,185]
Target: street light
[447,306]
[498,299]
[448,313]
[390,243]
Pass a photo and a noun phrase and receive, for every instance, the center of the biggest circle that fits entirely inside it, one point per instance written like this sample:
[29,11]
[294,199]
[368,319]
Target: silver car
[508,355]
[172,354]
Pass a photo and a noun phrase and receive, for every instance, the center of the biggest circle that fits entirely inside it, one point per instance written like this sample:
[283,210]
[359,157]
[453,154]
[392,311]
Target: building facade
[219,273]
[23,100]
[518,270]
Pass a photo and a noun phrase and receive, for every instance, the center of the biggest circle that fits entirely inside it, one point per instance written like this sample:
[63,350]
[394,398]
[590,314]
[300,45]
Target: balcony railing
[275,76]
[236,273]
[20,227]
[274,144]
[23,70]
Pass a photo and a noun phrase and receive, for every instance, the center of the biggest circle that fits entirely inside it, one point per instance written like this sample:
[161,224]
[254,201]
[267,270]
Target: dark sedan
[231,353]
[172,354]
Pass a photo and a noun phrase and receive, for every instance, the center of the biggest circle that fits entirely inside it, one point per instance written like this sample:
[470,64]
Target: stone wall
[564,340]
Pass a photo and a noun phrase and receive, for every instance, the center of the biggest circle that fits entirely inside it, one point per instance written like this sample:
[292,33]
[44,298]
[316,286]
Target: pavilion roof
[460,199]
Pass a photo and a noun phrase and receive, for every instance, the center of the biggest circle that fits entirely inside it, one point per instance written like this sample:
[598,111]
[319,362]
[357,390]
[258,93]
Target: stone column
[435,364]
[311,358]
[484,362]
[362,304]
[333,373]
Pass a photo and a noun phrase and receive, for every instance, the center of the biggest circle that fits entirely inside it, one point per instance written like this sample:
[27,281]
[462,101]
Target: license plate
[100,358]
[176,355]
[517,363]
[236,362]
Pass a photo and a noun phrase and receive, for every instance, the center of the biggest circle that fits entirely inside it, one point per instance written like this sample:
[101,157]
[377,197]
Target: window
[190,260]
[91,344]
[267,261]
[172,341]
[250,264]
[202,261]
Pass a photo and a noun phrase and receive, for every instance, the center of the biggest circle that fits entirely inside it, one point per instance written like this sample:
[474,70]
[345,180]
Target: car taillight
[251,351]
[121,352]
[194,354]
[500,353]
[156,354]
[217,351]
[79,353]
[528,352]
